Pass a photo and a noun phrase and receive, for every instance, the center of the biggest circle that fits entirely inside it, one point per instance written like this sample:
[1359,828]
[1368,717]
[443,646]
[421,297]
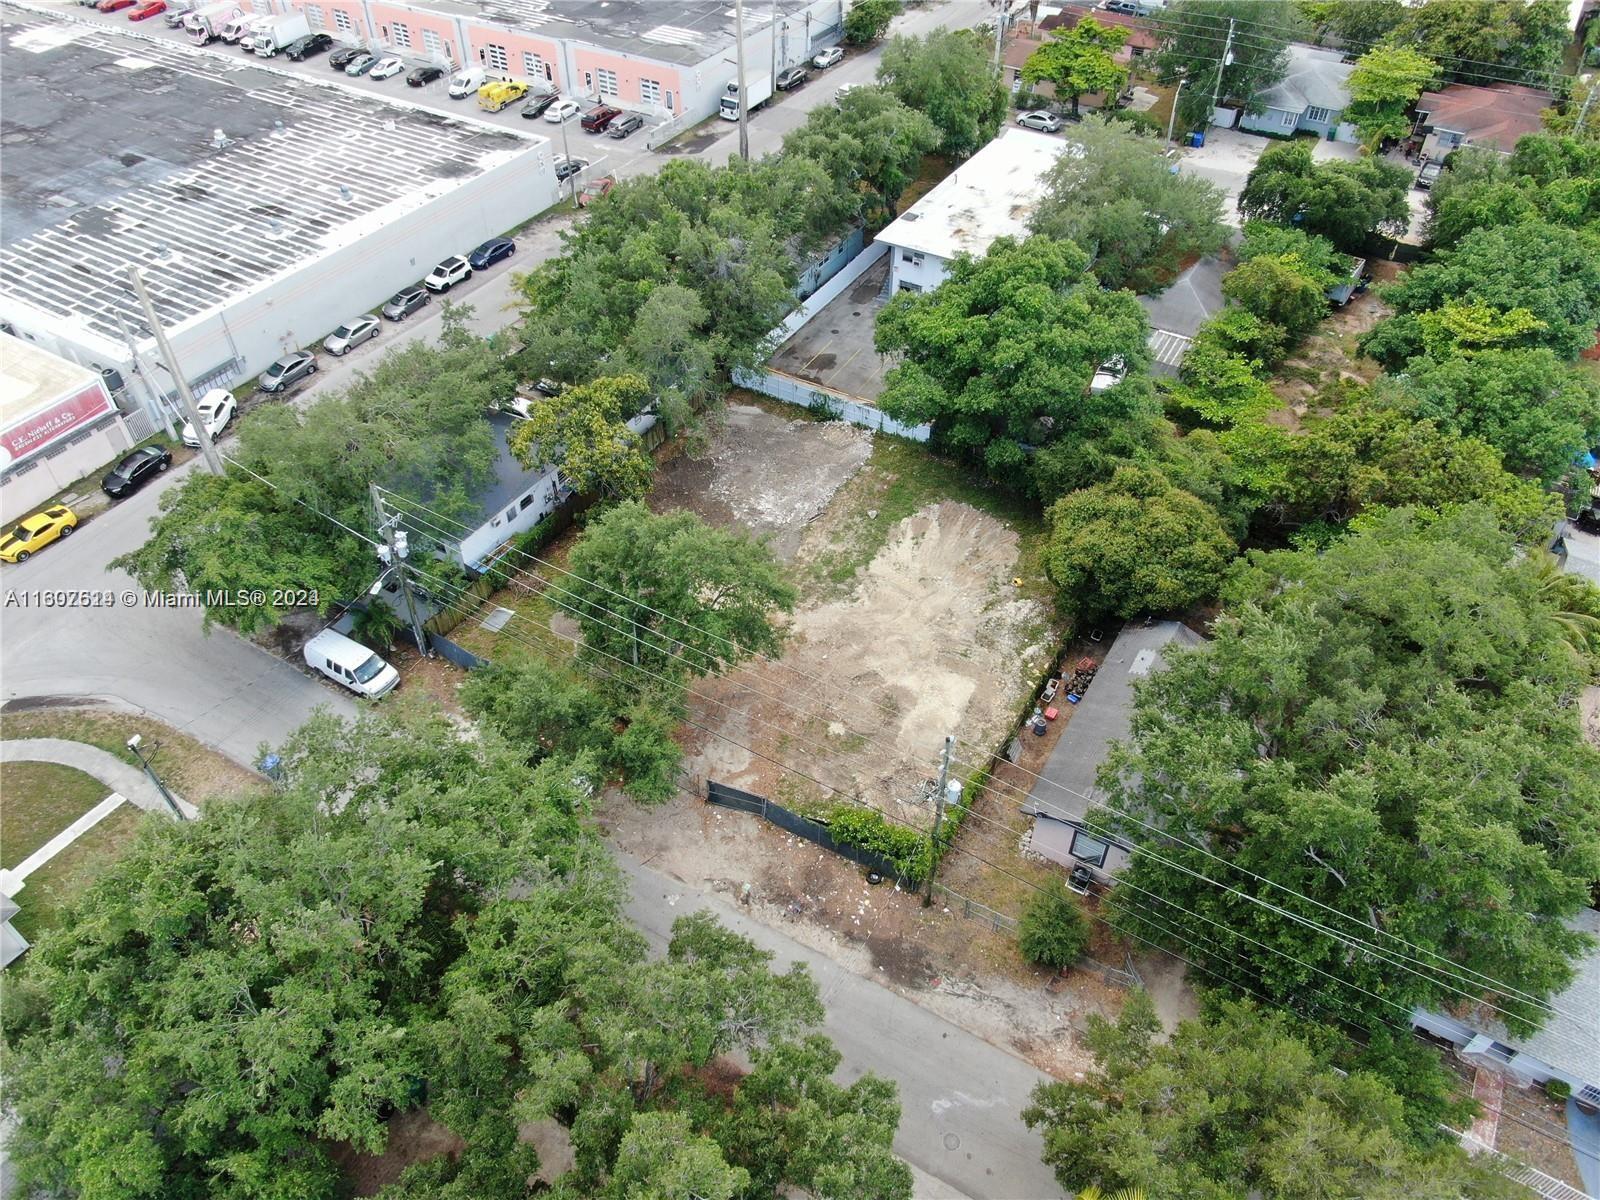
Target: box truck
[205,24]
[278,33]
[760,92]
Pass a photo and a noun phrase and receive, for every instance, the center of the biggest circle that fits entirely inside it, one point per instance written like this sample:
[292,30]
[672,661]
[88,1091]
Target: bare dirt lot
[928,634]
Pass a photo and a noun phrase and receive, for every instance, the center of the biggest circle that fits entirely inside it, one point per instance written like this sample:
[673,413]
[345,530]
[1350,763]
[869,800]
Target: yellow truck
[498,93]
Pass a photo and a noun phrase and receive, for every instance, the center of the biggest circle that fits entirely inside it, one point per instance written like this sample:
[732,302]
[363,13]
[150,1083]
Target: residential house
[519,497]
[1565,1047]
[1065,787]
[1464,114]
[1310,98]
[991,195]
[1141,41]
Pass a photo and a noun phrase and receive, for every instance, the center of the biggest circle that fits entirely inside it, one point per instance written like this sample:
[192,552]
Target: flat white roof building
[991,195]
[262,207]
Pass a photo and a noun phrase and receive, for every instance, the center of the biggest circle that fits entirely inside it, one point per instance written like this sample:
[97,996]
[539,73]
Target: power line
[1387,955]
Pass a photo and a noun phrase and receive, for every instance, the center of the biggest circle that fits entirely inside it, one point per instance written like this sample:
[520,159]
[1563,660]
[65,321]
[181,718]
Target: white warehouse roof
[991,195]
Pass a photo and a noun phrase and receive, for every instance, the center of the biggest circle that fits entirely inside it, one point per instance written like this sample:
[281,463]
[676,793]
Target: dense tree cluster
[1238,1103]
[1343,201]
[273,519]
[949,77]
[414,917]
[1387,728]
[1115,195]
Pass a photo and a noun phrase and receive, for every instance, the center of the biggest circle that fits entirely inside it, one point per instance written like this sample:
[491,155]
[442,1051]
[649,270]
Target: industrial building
[57,424]
[668,59]
[263,208]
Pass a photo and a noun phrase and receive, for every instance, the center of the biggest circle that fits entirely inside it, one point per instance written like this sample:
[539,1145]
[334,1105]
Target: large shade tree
[1079,60]
[948,76]
[1000,356]
[869,141]
[1476,41]
[1343,201]
[1117,197]
[1381,747]
[1237,1103]
[1193,33]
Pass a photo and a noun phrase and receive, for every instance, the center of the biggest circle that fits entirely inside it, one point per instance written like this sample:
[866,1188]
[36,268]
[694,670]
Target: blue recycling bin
[1197,139]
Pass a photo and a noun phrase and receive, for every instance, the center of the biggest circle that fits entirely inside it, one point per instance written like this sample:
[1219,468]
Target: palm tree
[1093,1192]
[1574,603]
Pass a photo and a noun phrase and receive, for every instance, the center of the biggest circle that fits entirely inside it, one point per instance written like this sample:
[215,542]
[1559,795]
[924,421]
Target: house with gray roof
[1566,1045]
[1310,98]
[1065,788]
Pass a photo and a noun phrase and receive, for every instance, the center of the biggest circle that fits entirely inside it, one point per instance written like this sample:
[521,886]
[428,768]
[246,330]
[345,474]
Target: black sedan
[304,48]
[423,76]
[491,252]
[536,105]
[288,370]
[340,59]
[136,470]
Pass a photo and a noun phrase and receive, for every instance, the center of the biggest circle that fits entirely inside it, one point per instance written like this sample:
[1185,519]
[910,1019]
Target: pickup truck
[498,93]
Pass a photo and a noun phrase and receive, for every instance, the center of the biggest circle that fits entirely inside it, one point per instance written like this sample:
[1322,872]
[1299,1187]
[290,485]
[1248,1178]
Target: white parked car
[215,410]
[830,56]
[386,67]
[453,270]
[844,89]
[562,110]
[1110,374]
[1044,122]
[351,334]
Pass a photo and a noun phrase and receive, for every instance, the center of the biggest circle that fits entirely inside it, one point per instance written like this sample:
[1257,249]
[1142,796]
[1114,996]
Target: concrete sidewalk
[110,770]
[961,1098]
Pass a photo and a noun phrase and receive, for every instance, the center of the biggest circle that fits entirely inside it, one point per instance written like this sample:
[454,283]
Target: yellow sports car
[34,533]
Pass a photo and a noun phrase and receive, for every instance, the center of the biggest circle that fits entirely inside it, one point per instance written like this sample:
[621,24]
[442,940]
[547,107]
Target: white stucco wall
[926,275]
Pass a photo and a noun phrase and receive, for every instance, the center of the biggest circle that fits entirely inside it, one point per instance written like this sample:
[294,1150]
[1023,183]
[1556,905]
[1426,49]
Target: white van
[351,664]
[467,83]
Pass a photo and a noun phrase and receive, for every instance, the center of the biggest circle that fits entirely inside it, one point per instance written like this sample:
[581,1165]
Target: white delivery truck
[206,23]
[350,663]
[760,92]
[279,33]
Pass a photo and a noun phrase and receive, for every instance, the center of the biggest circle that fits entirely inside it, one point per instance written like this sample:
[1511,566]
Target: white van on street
[350,663]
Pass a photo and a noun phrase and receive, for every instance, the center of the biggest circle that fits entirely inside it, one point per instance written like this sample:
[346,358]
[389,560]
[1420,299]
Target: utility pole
[394,553]
[1222,63]
[774,28]
[1583,113]
[1172,117]
[566,153]
[185,396]
[744,93]
[133,744]
[152,394]
[938,820]
[1002,11]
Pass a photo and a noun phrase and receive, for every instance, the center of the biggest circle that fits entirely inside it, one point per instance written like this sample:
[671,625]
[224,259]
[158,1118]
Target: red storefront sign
[62,419]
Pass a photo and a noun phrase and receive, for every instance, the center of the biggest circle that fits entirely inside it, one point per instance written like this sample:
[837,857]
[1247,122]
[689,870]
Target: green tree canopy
[1000,356]
[1193,33]
[1079,60]
[1219,383]
[867,138]
[1053,931]
[1477,40]
[1536,410]
[585,432]
[1549,178]
[413,914]
[1385,83]
[1237,1104]
[1119,200]
[1358,25]
[672,595]
[947,75]
[1523,286]
[1387,728]
[1280,289]
[413,423]
[1136,544]
[868,20]
[1343,201]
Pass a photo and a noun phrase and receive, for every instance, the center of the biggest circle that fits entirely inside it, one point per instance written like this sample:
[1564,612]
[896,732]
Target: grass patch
[194,771]
[528,634]
[55,886]
[901,478]
[38,801]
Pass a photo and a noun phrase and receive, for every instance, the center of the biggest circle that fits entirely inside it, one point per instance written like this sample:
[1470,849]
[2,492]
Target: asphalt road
[960,1097]
[218,688]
